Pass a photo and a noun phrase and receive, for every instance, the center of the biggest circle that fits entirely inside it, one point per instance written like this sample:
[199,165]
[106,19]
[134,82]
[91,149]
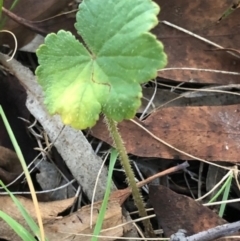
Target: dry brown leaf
[64,228]
[183,50]
[76,224]
[10,167]
[235,51]
[70,226]
[208,132]
[49,211]
[30,10]
[181,212]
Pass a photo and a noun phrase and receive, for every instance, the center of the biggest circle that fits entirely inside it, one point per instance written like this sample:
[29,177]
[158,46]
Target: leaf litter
[204,129]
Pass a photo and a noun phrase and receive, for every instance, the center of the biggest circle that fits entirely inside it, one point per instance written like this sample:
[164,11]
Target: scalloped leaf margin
[103,74]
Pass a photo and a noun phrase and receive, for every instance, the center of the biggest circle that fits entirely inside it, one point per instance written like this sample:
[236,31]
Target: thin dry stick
[95,189]
[188,94]
[15,41]
[139,231]
[215,187]
[163,173]
[129,222]
[212,89]
[150,101]
[112,237]
[22,21]
[148,180]
[235,174]
[221,202]
[198,37]
[44,191]
[200,70]
[213,233]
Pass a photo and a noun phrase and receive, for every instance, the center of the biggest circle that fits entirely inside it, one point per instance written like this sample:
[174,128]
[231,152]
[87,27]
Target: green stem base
[112,126]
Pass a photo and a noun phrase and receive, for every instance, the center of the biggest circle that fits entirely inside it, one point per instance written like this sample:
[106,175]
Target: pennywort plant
[104,73]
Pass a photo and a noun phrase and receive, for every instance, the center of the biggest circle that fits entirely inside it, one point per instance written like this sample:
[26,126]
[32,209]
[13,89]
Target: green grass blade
[1,4]
[101,214]
[2,21]
[229,10]
[31,223]
[25,169]
[222,188]
[14,4]
[225,196]
[17,227]
[11,136]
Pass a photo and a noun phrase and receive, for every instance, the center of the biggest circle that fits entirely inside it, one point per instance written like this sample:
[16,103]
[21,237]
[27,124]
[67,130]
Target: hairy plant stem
[112,127]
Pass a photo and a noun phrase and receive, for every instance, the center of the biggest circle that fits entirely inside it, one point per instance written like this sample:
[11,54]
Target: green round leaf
[103,74]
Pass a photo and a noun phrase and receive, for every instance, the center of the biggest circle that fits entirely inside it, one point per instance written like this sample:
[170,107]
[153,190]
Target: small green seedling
[103,74]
